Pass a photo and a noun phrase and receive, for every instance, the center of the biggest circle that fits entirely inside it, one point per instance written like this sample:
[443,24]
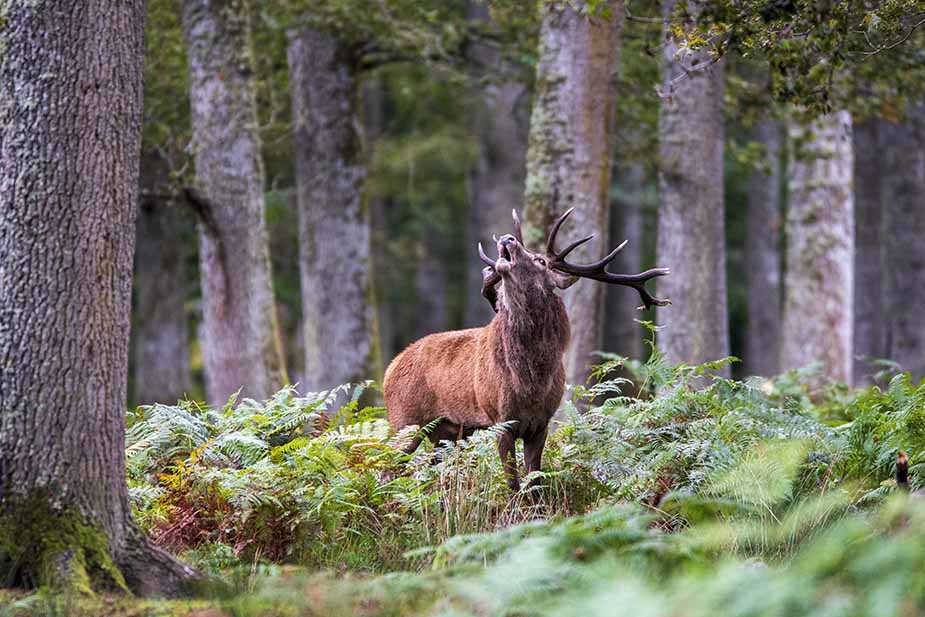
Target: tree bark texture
[870,320]
[496,184]
[819,284]
[569,156]
[159,335]
[904,219]
[70,118]
[762,256]
[242,348]
[622,334]
[341,335]
[691,236]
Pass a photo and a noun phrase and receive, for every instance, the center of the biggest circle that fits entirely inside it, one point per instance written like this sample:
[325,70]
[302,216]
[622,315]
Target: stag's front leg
[533,451]
[507,448]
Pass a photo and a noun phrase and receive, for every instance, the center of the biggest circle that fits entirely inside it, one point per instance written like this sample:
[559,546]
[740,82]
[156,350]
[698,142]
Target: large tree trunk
[622,334]
[762,257]
[570,152]
[819,296]
[159,337]
[691,237]
[496,184]
[869,284]
[70,117]
[904,218]
[341,337]
[242,348]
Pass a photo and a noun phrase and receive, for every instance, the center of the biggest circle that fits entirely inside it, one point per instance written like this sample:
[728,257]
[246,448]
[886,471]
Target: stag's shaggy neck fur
[531,332]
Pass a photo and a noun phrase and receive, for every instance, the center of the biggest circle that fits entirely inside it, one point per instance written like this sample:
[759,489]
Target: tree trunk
[570,151]
[762,257]
[904,218]
[622,334]
[496,184]
[160,338]
[869,317]
[431,286]
[380,233]
[242,348]
[818,302]
[341,336]
[691,236]
[70,119]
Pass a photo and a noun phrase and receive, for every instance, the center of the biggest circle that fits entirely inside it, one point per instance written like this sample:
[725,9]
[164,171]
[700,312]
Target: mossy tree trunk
[70,120]
[241,344]
[622,334]
[904,236]
[762,256]
[496,184]
[569,155]
[869,284]
[160,339]
[341,335]
[819,283]
[691,236]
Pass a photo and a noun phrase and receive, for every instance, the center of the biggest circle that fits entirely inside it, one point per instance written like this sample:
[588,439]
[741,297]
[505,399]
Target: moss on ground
[17,603]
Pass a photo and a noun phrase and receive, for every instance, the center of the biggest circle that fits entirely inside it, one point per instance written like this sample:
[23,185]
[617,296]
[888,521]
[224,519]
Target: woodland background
[392,138]
[204,203]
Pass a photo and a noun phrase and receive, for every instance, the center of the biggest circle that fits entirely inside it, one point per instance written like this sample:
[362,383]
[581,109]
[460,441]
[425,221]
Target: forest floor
[759,497]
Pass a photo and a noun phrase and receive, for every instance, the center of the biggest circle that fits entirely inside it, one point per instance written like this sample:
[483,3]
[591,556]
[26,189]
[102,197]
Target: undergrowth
[677,492]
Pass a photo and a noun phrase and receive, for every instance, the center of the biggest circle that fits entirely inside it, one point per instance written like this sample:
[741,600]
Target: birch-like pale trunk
[622,334]
[341,336]
[241,348]
[569,156]
[904,237]
[819,284]
[496,185]
[70,128]
[869,284]
[691,236]
[762,256]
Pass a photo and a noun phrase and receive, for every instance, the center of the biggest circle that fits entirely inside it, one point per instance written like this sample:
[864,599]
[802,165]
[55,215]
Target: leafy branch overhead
[817,52]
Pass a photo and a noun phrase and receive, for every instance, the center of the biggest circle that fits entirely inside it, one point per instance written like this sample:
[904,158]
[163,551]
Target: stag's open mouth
[504,263]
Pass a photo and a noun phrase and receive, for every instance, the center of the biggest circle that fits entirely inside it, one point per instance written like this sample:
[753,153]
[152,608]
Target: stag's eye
[540,261]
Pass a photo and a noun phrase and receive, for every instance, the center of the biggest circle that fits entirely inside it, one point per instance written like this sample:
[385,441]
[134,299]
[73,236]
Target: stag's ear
[562,280]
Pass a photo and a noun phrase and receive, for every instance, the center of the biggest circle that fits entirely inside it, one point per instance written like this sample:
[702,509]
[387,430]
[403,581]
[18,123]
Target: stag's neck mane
[529,343]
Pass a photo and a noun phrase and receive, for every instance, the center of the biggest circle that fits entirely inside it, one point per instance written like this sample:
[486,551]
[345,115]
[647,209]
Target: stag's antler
[490,278]
[598,269]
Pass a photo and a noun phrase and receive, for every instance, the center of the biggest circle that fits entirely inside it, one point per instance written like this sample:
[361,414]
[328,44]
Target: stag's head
[527,278]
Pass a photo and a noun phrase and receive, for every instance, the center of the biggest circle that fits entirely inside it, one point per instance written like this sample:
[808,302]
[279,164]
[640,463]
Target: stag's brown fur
[508,371]
[511,370]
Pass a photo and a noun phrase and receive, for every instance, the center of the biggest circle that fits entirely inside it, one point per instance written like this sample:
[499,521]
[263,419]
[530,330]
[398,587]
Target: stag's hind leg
[507,448]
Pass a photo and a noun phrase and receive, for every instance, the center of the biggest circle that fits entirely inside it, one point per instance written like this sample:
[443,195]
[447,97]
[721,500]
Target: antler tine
[517,231]
[609,257]
[598,269]
[485,258]
[551,240]
[574,245]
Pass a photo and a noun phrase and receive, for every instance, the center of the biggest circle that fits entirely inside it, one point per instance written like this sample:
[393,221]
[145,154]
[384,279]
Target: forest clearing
[465,308]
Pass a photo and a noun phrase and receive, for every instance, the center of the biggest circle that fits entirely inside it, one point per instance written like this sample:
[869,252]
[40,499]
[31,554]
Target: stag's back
[437,377]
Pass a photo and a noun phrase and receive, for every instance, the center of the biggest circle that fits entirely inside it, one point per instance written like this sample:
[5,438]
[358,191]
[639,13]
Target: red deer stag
[510,370]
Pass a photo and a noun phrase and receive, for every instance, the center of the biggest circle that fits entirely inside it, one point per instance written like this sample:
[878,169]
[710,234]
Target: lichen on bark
[572,129]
